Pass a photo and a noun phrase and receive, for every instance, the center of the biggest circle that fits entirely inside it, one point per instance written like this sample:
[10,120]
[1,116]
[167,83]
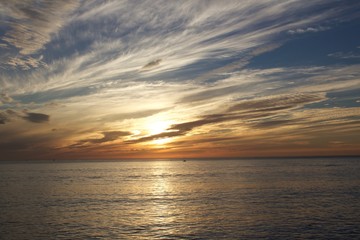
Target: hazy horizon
[285,158]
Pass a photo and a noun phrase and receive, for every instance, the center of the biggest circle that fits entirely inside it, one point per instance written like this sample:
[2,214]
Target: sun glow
[157,127]
[161,141]
[136,132]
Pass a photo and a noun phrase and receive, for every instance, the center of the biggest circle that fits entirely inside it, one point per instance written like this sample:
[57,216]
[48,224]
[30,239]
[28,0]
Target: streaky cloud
[279,102]
[108,136]
[152,64]
[36,117]
[133,115]
[33,22]
[308,30]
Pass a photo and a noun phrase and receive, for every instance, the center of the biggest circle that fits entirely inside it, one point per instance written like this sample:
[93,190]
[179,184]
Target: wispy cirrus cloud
[279,102]
[308,30]
[135,40]
[31,23]
[152,64]
[344,55]
[24,63]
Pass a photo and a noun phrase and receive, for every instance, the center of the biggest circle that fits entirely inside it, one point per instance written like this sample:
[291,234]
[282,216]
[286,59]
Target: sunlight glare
[161,141]
[158,127]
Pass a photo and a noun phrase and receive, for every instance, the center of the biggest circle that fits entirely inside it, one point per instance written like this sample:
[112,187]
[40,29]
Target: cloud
[207,94]
[274,123]
[87,52]
[133,115]
[167,134]
[36,117]
[239,63]
[108,136]
[25,63]
[279,102]
[31,23]
[344,55]
[3,118]
[152,64]
[7,115]
[5,98]
[308,30]
[4,45]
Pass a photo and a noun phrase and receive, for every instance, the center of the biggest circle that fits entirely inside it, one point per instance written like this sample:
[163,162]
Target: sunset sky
[179,79]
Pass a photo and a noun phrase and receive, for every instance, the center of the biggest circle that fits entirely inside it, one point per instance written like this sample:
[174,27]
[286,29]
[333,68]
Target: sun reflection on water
[163,210]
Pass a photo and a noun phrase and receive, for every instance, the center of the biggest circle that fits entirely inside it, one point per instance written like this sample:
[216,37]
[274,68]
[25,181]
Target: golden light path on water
[162,210]
[162,214]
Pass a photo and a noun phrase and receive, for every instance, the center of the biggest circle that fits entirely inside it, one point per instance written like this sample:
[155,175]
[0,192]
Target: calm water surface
[229,199]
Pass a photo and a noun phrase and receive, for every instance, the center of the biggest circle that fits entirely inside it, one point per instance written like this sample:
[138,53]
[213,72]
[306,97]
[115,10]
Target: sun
[154,129]
[157,127]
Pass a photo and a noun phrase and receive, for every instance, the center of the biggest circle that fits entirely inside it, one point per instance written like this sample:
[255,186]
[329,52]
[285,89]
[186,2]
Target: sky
[179,79]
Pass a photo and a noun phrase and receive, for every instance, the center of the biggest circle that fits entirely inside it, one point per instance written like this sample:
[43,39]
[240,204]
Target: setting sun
[158,127]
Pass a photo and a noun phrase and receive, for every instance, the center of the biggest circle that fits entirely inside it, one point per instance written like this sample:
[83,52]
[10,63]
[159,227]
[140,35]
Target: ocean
[301,198]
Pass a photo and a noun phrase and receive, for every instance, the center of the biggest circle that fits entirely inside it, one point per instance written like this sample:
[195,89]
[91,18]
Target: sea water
[220,199]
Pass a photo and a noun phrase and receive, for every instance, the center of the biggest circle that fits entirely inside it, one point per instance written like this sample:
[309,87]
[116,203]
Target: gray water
[223,199]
